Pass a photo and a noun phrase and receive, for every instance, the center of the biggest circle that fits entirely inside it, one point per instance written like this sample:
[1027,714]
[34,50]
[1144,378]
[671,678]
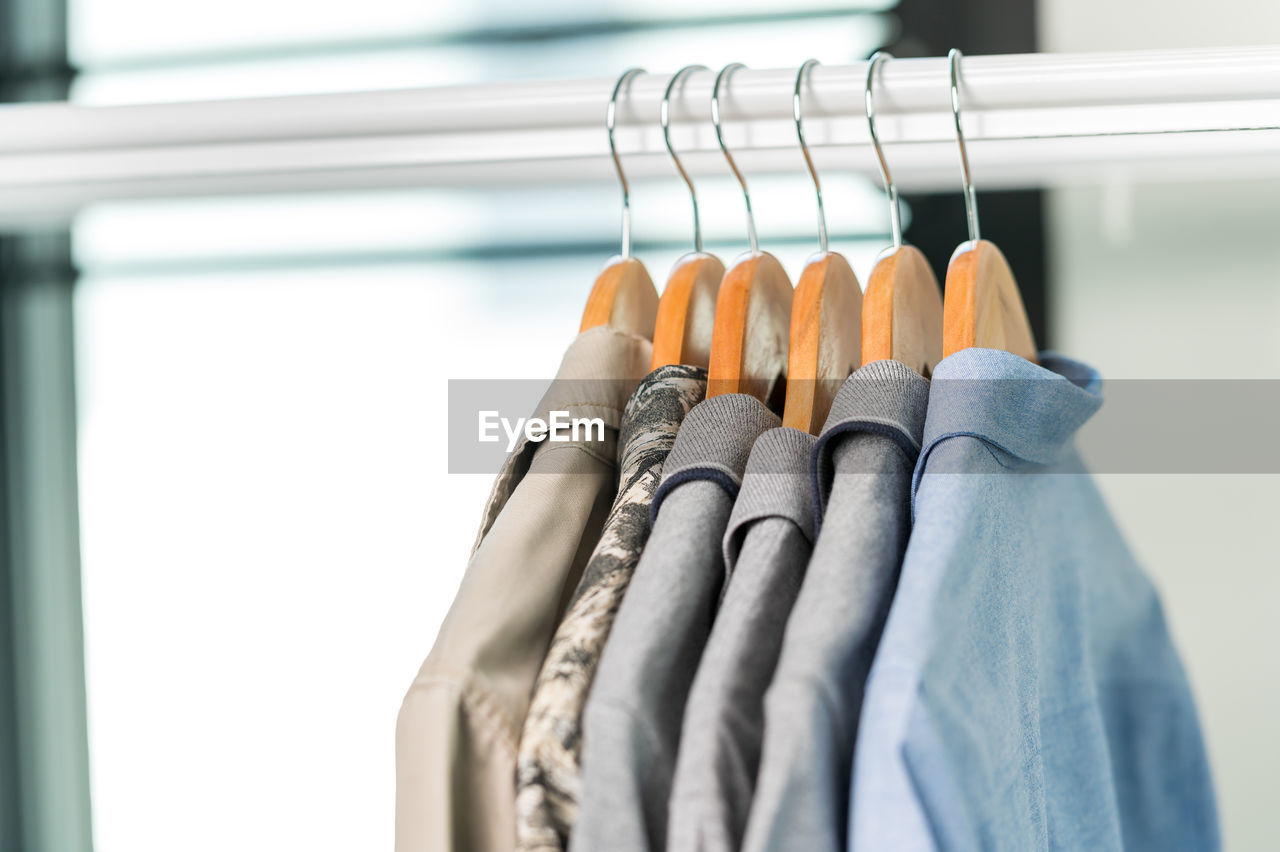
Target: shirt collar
[886,398]
[599,371]
[775,485]
[713,444]
[1030,411]
[654,413]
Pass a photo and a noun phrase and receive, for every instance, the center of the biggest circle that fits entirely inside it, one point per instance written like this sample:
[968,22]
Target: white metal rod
[1030,120]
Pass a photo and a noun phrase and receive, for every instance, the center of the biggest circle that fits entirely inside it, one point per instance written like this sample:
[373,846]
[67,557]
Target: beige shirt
[459,725]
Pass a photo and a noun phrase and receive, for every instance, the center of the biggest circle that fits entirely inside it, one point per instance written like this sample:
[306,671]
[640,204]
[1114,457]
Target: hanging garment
[1026,693]
[766,549]
[631,726]
[861,481]
[549,764]
[459,725]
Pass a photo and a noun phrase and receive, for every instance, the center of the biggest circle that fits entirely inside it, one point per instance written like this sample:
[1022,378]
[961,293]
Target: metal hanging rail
[1030,120]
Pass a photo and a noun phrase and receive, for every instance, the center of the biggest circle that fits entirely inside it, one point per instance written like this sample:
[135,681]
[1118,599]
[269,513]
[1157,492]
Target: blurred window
[270,536]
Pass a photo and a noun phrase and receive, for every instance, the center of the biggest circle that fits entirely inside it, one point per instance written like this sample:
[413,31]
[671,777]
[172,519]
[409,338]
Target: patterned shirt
[548,768]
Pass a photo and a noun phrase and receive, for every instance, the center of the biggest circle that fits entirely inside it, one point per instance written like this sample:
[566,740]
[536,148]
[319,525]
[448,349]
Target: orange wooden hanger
[983,306]
[686,311]
[753,308]
[826,316]
[623,296]
[902,309]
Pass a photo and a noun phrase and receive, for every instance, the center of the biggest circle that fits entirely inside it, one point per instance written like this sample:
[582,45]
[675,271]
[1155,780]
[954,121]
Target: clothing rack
[1030,120]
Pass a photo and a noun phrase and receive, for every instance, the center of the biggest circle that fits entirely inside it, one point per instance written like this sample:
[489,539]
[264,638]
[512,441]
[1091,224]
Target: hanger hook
[895,207]
[617,161]
[666,135]
[804,148]
[715,120]
[970,197]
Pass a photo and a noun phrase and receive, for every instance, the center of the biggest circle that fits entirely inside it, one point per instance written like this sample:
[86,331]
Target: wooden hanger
[753,308]
[902,311]
[752,325]
[623,296]
[826,316]
[825,340]
[983,306]
[686,311]
[902,308]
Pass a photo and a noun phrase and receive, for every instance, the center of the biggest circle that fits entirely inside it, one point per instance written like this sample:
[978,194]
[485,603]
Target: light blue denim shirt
[1026,693]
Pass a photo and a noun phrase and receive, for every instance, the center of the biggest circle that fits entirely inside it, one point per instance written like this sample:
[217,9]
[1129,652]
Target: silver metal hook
[666,135]
[715,120]
[970,197]
[895,207]
[817,187]
[617,161]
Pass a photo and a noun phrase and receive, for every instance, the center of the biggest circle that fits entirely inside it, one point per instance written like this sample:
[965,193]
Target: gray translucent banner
[1225,426]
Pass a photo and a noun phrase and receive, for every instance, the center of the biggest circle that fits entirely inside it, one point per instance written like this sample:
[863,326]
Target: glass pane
[772,44]
[270,537]
[223,233]
[115,31]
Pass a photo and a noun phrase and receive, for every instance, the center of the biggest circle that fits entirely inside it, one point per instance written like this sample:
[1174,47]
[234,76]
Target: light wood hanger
[686,311]
[902,311]
[753,318]
[983,306]
[902,308]
[826,316]
[623,296]
[753,308]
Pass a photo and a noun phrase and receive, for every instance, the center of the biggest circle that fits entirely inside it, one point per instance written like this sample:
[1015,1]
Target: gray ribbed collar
[886,398]
[775,485]
[714,443]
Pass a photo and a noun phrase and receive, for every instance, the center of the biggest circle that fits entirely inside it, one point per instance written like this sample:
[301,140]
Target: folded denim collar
[1030,411]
